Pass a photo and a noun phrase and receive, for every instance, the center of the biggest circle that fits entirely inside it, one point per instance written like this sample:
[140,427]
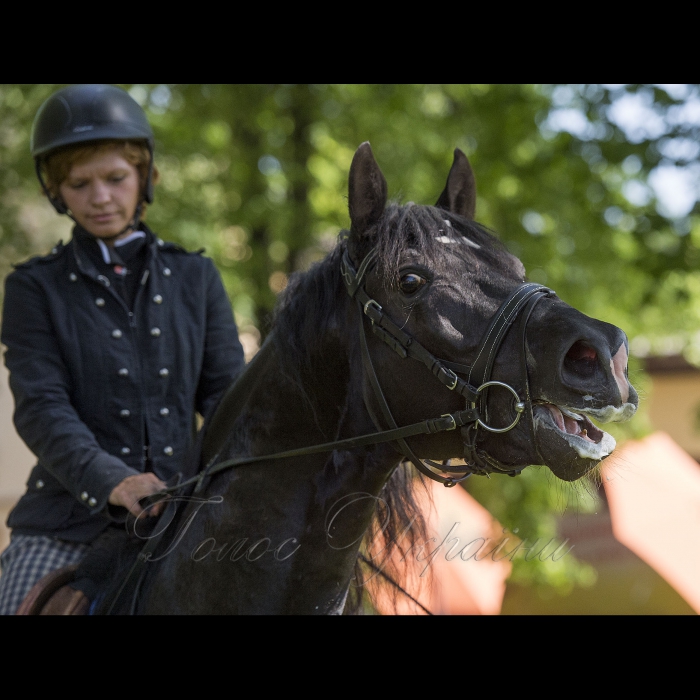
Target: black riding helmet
[82,113]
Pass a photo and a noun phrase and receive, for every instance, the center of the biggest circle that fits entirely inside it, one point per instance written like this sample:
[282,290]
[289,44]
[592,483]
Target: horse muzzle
[580,380]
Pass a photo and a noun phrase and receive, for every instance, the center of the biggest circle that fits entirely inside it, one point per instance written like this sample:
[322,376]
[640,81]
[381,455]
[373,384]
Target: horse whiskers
[410,310]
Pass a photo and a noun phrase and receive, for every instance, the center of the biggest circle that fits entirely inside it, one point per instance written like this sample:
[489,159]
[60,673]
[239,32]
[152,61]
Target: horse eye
[411,282]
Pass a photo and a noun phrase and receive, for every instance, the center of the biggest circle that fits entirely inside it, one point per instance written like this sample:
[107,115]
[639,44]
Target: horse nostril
[581,359]
[581,351]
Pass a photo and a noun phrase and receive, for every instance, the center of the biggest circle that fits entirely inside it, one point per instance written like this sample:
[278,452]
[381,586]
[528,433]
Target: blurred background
[593,187]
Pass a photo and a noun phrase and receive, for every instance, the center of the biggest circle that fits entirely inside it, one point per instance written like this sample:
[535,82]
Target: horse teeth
[571,414]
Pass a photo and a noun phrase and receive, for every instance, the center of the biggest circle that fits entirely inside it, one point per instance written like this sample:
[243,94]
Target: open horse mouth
[569,439]
[589,388]
[576,429]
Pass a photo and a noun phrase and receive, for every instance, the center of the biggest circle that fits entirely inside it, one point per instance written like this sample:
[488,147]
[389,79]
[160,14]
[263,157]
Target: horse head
[537,375]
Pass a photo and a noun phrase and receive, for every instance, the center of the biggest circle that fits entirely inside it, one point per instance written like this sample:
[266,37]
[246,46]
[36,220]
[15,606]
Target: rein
[520,303]
[474,416]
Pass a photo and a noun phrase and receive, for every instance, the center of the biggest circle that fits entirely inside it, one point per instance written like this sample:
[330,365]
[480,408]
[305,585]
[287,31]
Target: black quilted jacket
[94,382]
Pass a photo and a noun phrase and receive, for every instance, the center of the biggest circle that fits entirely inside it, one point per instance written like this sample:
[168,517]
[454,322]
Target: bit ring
[519,408]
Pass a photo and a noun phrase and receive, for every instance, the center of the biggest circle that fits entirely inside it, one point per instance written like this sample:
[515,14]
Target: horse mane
[311,304]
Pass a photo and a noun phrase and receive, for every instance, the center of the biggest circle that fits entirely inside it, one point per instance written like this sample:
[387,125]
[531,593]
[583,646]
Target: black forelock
[415,227]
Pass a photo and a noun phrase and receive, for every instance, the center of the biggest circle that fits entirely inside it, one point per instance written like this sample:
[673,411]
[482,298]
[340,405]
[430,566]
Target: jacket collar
[82,240]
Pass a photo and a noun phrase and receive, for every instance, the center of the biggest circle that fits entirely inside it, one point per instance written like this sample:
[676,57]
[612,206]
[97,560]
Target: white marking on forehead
[449,240]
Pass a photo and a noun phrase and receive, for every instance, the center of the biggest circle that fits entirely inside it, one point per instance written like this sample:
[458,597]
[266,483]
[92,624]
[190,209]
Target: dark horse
[418,330]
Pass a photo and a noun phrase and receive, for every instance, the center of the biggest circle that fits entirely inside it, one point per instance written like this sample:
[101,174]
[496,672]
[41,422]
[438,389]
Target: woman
[114,340]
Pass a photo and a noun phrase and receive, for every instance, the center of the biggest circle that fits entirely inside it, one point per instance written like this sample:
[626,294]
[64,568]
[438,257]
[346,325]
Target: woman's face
[101,193]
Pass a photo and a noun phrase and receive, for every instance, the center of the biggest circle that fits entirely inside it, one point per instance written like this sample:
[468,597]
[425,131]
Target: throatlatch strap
[468,416]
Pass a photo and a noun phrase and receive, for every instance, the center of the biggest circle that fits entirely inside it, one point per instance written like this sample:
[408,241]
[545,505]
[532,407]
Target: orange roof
[653,492]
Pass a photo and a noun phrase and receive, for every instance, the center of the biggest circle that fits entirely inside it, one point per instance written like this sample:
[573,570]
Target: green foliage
[257,174]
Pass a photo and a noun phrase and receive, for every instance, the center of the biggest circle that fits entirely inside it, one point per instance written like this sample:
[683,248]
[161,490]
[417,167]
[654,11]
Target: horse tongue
[557,416]
[571,426]
[565,422]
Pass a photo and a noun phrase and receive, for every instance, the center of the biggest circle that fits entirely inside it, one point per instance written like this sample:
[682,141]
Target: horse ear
[366,190]
[459,195]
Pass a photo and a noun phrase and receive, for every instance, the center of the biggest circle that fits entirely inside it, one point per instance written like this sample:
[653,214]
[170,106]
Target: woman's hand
[128,492]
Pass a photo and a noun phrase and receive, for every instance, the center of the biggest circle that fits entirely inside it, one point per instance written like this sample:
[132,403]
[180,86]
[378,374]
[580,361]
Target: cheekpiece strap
[354,280]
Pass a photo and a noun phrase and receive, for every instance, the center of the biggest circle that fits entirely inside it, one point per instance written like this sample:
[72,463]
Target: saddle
[53,595]
[97,573]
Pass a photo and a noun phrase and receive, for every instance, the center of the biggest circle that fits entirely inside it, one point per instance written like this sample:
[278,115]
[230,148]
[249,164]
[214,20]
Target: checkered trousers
[26,560]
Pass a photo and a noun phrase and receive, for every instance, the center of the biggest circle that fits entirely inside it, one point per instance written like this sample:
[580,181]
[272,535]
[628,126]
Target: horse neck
[281,536]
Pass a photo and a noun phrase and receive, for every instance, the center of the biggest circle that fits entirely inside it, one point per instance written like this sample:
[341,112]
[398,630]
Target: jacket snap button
[116,333]
[166,271]
[164,411]
[158,299]
[123,372]
[164,372]
[126,451]
[125,413]
[72,277]
[84,496]
[39,484]
[168,450]
[155,332]
[92,502]
[100,302]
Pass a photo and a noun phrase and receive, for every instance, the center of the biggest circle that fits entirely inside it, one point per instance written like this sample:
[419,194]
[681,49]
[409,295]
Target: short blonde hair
[57,164]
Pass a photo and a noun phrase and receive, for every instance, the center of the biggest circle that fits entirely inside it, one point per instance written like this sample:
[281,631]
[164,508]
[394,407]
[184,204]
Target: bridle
[520,303]
[474,389]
